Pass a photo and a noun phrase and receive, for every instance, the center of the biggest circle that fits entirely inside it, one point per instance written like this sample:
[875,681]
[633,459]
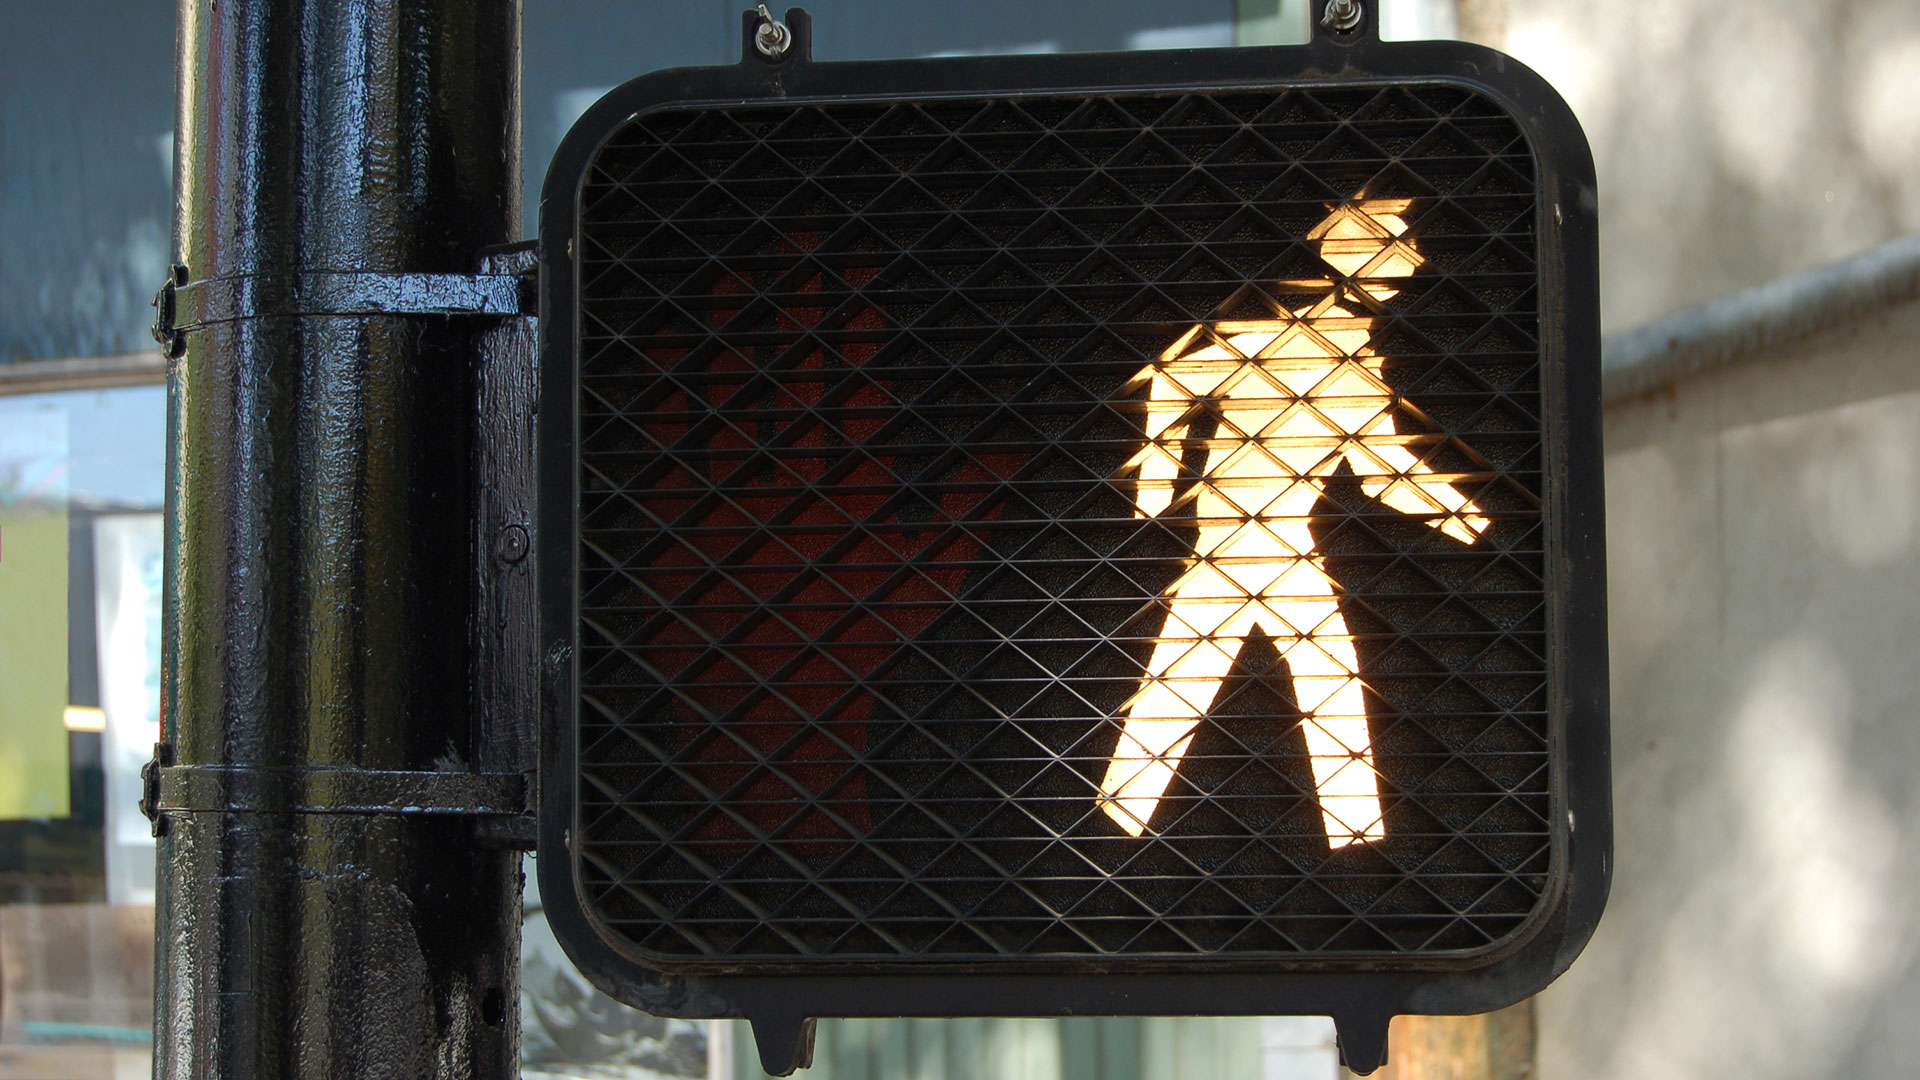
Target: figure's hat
[1361,239]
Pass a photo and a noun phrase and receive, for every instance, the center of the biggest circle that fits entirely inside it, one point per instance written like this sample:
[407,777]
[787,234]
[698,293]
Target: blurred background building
[1759,169]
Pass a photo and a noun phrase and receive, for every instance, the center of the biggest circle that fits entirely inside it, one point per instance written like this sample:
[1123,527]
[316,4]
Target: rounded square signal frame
[1362,992]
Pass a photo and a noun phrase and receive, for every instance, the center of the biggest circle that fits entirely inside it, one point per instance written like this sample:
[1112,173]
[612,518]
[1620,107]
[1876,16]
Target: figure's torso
[1289,398]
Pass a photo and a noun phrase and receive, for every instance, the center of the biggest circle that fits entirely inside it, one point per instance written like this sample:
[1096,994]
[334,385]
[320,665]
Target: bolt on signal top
[1291,398]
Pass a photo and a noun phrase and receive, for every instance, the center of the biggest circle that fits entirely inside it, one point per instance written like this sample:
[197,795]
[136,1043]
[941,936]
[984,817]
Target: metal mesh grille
[868,581]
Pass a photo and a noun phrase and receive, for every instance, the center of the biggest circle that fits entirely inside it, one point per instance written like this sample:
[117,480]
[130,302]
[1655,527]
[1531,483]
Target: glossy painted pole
[320,538]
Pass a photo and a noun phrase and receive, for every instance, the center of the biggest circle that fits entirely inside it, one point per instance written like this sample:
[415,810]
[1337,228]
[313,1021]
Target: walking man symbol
[1291,397]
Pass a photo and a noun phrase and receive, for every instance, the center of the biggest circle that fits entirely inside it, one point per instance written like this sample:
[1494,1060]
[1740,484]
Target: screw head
[511,544]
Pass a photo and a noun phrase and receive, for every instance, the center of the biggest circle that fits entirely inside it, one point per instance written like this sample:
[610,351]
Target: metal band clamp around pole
[240,789]
[183,306]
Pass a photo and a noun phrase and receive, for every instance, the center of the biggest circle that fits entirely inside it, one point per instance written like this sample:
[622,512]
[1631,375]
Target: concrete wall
[1736,142]
[1765,606]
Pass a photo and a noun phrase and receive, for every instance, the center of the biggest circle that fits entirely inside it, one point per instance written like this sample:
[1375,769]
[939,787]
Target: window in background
[80,495]
[33,613]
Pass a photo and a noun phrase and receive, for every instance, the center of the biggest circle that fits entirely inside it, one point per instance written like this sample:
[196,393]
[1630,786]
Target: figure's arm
[1412,489]
[1159,462]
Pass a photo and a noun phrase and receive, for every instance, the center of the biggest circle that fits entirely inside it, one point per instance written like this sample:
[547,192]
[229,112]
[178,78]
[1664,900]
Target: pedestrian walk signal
[1294,400]
[1053,536]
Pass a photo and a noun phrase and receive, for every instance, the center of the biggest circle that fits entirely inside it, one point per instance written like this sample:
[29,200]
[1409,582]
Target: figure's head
[1362,240]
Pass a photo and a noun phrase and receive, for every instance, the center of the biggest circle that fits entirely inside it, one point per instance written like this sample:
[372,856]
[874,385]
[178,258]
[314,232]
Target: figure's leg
[1196,648]
[1326,683]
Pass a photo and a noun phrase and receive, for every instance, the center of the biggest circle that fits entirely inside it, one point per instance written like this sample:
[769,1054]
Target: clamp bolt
[772,39]
[1341,16]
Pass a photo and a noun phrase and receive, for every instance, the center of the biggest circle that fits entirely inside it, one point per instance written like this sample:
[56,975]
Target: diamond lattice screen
[1053,528]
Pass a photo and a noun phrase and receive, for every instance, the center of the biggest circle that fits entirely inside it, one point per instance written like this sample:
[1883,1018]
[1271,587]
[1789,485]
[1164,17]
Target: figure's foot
[1132,788]
[1465,527]
[1343,833]
[1126,813]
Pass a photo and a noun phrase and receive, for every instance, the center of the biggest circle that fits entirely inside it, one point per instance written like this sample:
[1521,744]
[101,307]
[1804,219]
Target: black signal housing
[843,597]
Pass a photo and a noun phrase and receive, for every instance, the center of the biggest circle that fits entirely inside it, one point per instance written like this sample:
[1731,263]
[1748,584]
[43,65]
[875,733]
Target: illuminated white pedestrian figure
[1291,397]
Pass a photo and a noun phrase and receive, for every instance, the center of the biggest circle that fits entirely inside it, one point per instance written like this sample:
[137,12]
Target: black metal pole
[320,539]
